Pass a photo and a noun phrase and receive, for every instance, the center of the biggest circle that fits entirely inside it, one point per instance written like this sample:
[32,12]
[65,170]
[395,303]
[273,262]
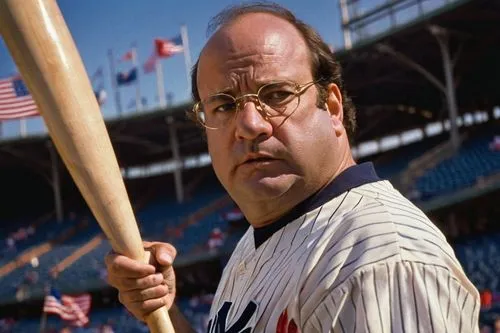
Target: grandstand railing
[366,20]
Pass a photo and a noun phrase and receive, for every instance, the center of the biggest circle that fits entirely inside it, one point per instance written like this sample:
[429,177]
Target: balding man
[331,247]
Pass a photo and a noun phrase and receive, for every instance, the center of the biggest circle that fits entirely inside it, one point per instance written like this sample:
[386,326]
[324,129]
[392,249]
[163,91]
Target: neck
[266,212]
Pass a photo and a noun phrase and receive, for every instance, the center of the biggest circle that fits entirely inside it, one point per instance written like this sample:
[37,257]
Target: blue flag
[124,78]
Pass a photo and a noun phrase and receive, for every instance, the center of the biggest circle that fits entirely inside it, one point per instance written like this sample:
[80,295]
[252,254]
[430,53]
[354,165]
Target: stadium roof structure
[137,138]
[397,78]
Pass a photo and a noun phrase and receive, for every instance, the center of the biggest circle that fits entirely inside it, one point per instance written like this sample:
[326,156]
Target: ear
[334,106]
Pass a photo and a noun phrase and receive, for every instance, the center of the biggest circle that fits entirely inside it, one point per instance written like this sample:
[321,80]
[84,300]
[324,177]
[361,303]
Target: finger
[125,284]
[122,266]
[145,294]
[164,253]
[148,306]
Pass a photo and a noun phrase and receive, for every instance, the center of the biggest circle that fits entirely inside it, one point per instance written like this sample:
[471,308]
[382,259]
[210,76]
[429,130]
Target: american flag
[168,47]
[15,99]
[71,309]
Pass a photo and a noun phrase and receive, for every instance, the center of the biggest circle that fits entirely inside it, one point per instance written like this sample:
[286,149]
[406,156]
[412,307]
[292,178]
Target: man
[331,247]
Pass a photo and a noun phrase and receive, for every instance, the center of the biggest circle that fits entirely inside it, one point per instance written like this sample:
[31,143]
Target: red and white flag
[168,47]
[15,99]
[69,308]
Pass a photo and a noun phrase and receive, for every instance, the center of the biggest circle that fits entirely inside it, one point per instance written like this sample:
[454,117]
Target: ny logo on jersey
[218,324]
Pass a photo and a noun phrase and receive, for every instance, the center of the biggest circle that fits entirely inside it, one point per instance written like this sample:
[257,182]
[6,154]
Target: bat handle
[159,321]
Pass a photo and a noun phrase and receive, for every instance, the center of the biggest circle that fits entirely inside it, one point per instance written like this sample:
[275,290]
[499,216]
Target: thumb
[164,253]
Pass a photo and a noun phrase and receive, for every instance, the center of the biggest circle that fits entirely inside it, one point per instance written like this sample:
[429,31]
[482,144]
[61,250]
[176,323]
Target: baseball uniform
[355,257]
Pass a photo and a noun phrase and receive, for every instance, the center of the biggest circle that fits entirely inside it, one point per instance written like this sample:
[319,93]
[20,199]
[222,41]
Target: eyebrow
[259,83]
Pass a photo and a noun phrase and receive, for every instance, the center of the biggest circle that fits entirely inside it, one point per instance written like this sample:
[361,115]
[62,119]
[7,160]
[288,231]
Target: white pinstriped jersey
[356,257]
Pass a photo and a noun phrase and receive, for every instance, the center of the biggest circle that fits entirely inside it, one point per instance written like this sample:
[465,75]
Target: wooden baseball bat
[42,47]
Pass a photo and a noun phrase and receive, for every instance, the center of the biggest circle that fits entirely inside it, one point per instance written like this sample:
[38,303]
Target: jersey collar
[350,178]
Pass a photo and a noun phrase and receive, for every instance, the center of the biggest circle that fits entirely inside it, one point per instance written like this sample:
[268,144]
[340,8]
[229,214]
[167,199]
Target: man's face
[258,159]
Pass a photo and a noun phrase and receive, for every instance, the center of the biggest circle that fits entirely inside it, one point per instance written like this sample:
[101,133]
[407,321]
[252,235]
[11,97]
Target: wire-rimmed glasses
[273,99]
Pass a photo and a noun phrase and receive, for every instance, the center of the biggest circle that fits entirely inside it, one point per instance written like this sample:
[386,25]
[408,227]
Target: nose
[250,122]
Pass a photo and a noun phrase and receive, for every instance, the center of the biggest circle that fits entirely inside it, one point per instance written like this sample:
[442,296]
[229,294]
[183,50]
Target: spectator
[11,244]
[485,329]
[6,325]
[496,325]
[486,299]
[216,239]
[105,328]
[495,144]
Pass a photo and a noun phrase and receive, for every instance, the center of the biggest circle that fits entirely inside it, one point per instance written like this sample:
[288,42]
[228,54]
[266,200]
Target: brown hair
[323,64]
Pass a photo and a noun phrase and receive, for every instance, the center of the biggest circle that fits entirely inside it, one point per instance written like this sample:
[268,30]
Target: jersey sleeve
[398,297]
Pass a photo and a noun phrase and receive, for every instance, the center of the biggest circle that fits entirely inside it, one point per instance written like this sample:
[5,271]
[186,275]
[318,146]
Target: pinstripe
[338,312]
[461,310]
[428,302]
[430,242]
[368,263]
[363,302]
[376,297]
[473,316]
[438,286]
[418,251]
[415,298]
[400,305]
[258,283]
[390,296]
[416,213]
[355,311]
[318,322]
[329,315]
[339,205]
[368,225]
[344,265]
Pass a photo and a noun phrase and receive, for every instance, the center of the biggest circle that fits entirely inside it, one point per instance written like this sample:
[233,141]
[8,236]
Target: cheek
[311,140]
[219,154]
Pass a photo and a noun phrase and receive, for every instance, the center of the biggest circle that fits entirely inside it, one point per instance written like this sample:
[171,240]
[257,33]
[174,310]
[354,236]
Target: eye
[219,104]
[277,94]
[224,108]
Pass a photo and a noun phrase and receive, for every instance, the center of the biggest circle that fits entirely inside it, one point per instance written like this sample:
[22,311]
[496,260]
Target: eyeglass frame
[299,90]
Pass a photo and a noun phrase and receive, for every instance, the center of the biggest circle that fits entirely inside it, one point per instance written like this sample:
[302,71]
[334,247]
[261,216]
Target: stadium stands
[480,258]
[474,160]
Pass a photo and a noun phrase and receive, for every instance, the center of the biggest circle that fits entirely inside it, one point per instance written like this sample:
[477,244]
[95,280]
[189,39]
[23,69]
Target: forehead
[252,49]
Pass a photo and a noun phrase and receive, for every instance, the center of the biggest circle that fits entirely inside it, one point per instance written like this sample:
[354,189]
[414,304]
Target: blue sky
[98,26]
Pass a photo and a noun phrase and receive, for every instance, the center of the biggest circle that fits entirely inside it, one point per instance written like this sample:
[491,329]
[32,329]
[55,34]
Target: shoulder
[379,226]
[418,238]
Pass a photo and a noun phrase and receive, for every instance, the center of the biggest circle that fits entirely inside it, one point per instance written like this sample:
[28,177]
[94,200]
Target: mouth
[259,160]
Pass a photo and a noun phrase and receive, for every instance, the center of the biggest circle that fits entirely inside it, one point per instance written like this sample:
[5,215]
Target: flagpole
[160,85]
[113,82]
[135,62]
[22,127]
[43,320]
[187,55]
